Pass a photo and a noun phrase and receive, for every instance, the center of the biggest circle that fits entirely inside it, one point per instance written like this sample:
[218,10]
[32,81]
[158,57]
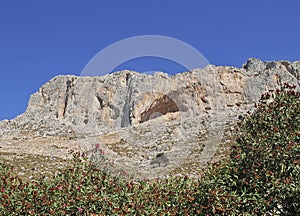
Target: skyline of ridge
[40,40]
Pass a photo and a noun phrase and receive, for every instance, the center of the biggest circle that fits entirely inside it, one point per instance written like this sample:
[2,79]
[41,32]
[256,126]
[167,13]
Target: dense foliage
[261,177]
[85,190]
[263,173]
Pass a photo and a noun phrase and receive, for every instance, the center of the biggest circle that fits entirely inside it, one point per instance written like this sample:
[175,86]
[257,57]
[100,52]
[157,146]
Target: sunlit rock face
[147,114]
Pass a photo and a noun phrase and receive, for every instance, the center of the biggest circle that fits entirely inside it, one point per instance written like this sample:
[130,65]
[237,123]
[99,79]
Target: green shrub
[86,190]
[263,174]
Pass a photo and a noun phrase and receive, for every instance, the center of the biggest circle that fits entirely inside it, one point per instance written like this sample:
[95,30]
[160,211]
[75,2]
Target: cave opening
[160,106]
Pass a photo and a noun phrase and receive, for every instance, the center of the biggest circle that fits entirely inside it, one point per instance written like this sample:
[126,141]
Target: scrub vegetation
[261,176]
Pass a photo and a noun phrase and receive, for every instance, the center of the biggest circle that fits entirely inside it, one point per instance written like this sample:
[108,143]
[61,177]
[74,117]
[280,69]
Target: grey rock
[160,160]
[133,114]
[253,66]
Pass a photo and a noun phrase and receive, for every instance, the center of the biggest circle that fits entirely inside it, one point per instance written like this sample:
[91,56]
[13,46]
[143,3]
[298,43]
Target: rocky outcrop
[138,116]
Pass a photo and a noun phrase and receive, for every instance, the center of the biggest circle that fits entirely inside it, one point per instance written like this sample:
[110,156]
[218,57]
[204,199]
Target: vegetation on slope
[261,177]
[263,173]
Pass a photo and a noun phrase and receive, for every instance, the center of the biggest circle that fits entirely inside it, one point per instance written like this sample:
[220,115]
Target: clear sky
[42,39]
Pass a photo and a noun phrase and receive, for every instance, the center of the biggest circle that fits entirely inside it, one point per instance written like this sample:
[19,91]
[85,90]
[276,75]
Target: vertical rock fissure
[43,95]
[69,83]
[100,100]
[126,121]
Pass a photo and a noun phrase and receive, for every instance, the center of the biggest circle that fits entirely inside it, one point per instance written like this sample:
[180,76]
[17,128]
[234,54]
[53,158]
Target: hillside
[136,118]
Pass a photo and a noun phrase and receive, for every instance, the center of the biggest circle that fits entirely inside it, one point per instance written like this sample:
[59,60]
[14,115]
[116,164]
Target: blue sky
[42,39]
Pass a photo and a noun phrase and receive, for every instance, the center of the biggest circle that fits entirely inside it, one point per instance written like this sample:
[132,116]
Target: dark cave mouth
[159,107]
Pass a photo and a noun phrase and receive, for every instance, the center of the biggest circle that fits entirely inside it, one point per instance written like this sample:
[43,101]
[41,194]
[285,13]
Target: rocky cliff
[139,117]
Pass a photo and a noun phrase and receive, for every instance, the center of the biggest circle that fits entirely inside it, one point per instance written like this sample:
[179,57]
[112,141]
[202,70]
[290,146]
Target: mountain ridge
[136,116]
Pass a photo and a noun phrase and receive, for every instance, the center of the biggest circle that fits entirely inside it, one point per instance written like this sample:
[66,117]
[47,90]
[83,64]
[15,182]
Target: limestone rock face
[137,116]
